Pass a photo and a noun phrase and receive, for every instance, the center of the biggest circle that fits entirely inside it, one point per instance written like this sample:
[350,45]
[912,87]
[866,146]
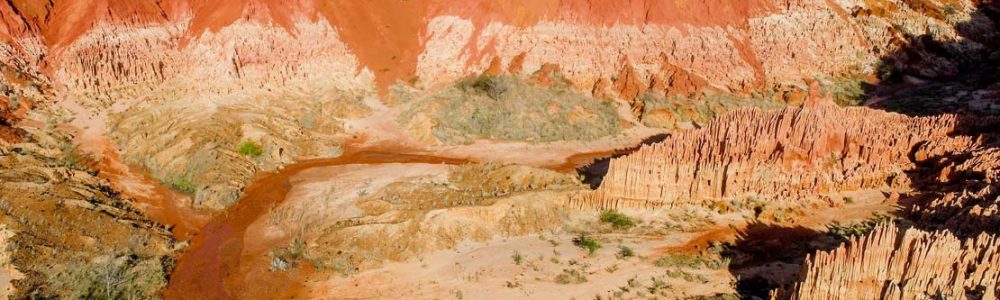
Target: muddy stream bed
[209,268]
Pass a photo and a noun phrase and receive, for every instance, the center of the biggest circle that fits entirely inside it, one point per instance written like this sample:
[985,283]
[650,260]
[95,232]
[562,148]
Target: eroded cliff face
[785,155]
[891,263]
[737,45]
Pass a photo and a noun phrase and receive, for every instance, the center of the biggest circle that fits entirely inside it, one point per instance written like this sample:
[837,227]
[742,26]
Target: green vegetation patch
[711,260]
[588,243]
[617,220]
[183,184]
[250,148]
[845,90]
[859,228]
[478,184]
[625,252]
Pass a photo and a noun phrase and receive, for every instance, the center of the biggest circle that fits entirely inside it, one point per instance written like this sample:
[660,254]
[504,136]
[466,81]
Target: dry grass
[217,148]
[675,112]
[75,237]
[511,109]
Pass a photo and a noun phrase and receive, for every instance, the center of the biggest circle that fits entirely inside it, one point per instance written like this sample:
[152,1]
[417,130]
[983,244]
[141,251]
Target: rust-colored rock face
[914,264]
[793,153]
[726,43]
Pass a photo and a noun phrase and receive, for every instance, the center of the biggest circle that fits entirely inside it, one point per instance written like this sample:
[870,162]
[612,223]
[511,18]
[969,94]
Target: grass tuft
[250,148]
[617,220]
[571,276]
[517,257]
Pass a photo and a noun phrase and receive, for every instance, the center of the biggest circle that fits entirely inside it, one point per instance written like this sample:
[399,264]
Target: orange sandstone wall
[786,154]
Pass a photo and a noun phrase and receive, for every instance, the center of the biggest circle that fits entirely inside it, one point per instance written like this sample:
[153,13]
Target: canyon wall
[893,264]
[106,47]
[788,154]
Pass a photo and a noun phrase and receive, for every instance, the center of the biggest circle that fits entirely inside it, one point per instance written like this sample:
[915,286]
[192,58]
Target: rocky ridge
[789,154]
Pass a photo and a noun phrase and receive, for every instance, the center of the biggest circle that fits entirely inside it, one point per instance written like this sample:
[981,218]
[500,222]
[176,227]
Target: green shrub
[888,72]
[587,243]
[846,231]
[617,220]
[949,9]
[624,252]
[686,276]
[288,257]
[683,109]
[250,148]
[184,185]
[846,90]
[656,285]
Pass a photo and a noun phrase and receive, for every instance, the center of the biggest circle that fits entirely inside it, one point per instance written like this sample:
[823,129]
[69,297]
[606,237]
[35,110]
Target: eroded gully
[210,268]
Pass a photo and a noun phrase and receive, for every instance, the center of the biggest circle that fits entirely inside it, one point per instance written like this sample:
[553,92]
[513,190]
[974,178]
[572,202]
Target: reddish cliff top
[386,35]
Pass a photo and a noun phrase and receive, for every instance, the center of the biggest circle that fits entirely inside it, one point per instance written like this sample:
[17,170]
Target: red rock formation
[549,74]
[676,81]
[792,153]
[960,189]
[888,264]
[629,87]
[726,43]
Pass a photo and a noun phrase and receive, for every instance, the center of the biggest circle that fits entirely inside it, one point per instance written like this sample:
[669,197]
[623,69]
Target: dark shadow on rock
[766,256]
[594,173]
[930,77]
[927,77]
[939,178]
